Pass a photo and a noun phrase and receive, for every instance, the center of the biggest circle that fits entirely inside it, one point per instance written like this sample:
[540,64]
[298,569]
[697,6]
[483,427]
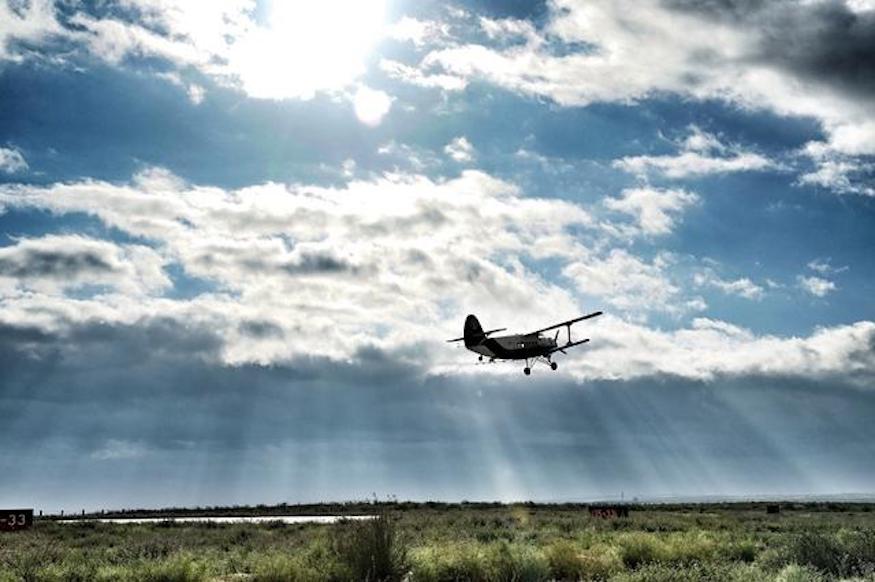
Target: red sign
[608,511]
[15,519]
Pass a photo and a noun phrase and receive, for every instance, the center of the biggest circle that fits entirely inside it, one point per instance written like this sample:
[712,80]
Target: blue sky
[234,235]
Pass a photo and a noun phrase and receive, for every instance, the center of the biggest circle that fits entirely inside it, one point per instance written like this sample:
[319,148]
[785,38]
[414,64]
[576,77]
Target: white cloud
[196,93]
[55,263]
[114,449]
[626,282]
[11,161]
[824,267]
[460,150]
[690,51]
[509,28]
[692,164]
[817,286]
[709,349]
[29,22]
[415,76]
[409,157]
[742,287]
[701,154]
[836,171]
[371,105]
[390,262]
[655,210]
[419,32]
[332,268]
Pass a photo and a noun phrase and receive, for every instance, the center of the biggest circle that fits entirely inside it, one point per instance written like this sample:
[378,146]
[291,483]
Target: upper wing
[569,322]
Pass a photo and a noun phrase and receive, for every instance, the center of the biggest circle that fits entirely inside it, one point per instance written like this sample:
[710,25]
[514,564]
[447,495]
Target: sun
[308,46]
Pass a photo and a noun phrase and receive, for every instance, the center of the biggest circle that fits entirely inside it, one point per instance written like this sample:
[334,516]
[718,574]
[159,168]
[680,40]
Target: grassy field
[432,542]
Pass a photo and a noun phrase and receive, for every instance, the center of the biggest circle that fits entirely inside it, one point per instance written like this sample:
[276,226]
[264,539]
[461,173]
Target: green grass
[465,542]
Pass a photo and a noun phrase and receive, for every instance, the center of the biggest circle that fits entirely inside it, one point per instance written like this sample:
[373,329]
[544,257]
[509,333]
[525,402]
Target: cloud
[335,268]
[700,154]
[305,273]
[655,210]
[825,42]
[801,59]
[153,397]
[11,161]
[836,171]
[824,267]
[119,449]
[626,282]
[22,23]
[223,40]
[460,150]
[57,262]
[415,76]
[405,156]
[371,105]
[817,286]
[419,32]
[709,350]
[509,29]
[742,287]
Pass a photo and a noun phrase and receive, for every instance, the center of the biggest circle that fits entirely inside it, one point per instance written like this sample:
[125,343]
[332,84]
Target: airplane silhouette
[531,347]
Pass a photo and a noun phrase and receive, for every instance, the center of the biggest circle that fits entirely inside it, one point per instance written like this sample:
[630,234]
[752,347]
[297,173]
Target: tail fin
[473,332]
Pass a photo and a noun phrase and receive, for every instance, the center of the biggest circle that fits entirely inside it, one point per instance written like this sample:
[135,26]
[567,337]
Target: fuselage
[514,347]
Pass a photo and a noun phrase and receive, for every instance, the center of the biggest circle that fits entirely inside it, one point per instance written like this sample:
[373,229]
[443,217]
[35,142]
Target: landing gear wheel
[527,371]
[553,365]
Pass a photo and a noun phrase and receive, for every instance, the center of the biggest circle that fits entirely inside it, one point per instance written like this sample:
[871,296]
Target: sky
[235,235]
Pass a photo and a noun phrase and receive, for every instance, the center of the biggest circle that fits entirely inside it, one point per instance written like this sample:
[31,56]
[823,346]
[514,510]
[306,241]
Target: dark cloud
[111,408]
[59,264]
[261,329]
[317,263]
[825,42]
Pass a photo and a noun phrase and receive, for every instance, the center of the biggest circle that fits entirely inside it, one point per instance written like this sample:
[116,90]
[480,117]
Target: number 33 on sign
[15,519]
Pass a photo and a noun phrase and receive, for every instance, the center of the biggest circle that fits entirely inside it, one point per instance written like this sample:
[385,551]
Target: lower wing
[566,346]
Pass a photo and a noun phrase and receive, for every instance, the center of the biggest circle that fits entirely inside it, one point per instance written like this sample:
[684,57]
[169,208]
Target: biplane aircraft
[531,347]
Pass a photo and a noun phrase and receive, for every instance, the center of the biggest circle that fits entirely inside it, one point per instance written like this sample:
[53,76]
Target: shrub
[519,563]
[797,573]
[695,572]
[25,564]
[600,563]
[569,562]
[372,549]
[859,548]
[564,559]
[637,549]
[741,550]
[282,568]
[819,551]
[80,570]
[179,568]
[448,563]
[473,562]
